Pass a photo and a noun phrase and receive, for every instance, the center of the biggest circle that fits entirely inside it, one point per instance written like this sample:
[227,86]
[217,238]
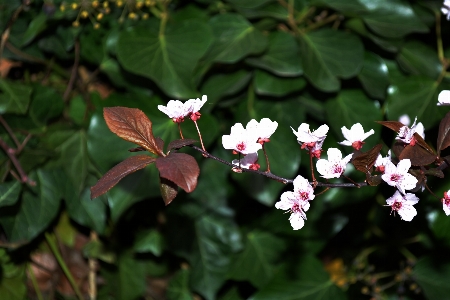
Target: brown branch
[10,132]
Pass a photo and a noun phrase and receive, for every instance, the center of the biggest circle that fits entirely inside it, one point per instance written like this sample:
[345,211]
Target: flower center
[304,195]
[357,145]
[396,206]
[446,201]
[240,147]
[296,208]
[337,169]
[395,177]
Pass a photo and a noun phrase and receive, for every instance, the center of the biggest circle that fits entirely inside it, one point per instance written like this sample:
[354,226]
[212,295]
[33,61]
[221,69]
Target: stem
[34,282]
[12,157]
[199,135]
[10,132]
[349,179]
[312,169]
[54,247]
[440,47]
[73,74]
[179,129]
[93,271]
[325,21]
[267,158]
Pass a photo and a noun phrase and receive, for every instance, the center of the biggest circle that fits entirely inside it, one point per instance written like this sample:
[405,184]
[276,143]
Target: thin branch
[73,74]
[93,271]
[12,157]
[10,132]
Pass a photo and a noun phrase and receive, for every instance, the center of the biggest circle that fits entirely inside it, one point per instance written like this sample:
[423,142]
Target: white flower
[175,109]
[403,204]
[406,134]
[312,141]
[193,106]
[446,202]
[334,167]
[381,162]
[444,96]
[262,130]
[240,140]
[398,176]
[355,136]
[297,202]
[446,9]
[247,162]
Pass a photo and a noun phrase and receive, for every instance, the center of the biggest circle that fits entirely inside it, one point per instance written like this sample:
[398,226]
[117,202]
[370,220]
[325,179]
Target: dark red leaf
[169,190]
[423,144]
[418,155]
[132,125]
[398,148]
[373,180]
[394,125]
[435,172]
[160,143]
[443,140]
[177,144]
[137,149]
[119,171]
[180,168]
[365,161]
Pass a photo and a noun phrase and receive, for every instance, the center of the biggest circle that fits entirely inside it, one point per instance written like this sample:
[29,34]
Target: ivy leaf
[178,288]
[113,176]
[270,85]
[180,168]
[9,192]
[374,75]
[15,97]
[132,125]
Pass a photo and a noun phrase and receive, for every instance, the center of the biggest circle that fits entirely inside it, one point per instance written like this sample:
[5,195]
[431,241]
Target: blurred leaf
[248,3]
[419,59]
[46,104]
[37,25]
[313,283]
[328,54]
[269,85]
[431,275]
[53,44]
[77,110]
[130,278]
[178,288]
[236,38]
[282,57]
[149,241]
[170,58]
[374,75]
[15,97]
[12,283]
[9,192]
[256,262]
[275,11]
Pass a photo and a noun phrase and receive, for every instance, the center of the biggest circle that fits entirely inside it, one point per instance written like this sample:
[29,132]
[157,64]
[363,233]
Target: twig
[93,271]
[5,34]
[10,132]
[73,74]
[12,157]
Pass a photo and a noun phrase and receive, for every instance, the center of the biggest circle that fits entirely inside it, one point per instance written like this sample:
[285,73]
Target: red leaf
[423,144]
[119,171]
[180,168]
[418,155]
[443,140]
[169,190]
[132,125]
[177,144]
[365,161]
[394,125]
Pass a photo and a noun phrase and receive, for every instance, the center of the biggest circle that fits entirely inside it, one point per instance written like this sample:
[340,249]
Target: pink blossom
[403,205]
[444,96]
[250,161]
[312,141]
[355,136]
[406,134]
[193,106]
[446,202]
[240,140]
[297,202]
[334,167]
[398,176]
[262,130]
[381,162]
[175,109]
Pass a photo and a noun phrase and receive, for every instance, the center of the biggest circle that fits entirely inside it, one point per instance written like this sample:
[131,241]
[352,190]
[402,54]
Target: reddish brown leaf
[364,161]
[137,149]
[435,172]
[373,180]
[180,168]
[418,155]
[398,148]
[119,171]
[443,140]
[169,190]
[423,144]
[132,125]
[160,143]
[394,125]
[177,144]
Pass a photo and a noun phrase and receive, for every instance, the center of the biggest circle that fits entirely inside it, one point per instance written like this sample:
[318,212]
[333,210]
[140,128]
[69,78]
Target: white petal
[407,212]
[446,209]
[334,154]
[321,131]
[297,221]
[285,202]
[409,182]
[411,199]
[444,96]
[228,142]
[367,134]
[403,166]
[323,166]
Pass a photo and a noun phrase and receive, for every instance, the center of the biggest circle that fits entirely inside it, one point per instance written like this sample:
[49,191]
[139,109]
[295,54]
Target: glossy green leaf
[37,25]
[328,55]
[351,107]
[149,241]
[282,56]
[236,38]
[178,288]
[27,218]
[374,76]
[256,262]
[431,274]
[313,283]
[9,192]
[419,59]
[168,58]
[14,97]
[269,85]
[414,96]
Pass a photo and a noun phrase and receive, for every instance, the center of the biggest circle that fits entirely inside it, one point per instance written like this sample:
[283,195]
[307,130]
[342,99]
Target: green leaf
[46,104]
[236,38]
[15,97]
[12,280]
[419,59]
[30,216]
[9,192]
[351,107]
[431,274]
[275,11]
[414,96]
[168,58]
[149,241]
[328,54]
[313,283]
[374,76]
[256,262]
[178,288]
[248,3]
[37,25]
[269,85]
[282,57]
[53,44]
